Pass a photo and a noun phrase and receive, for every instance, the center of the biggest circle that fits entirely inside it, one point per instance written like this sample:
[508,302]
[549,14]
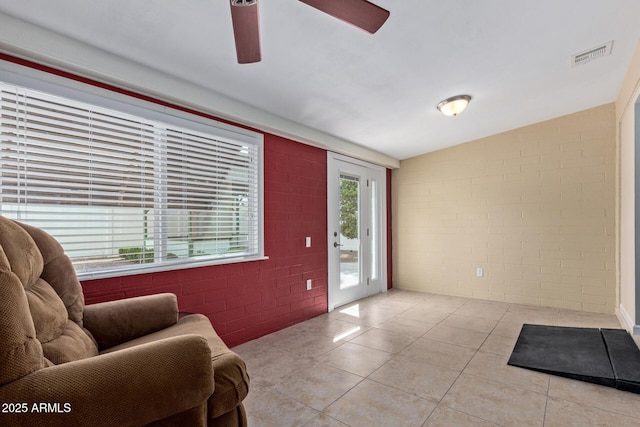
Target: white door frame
[334,161]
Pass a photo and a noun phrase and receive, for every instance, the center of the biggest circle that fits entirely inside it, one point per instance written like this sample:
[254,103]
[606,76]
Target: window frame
[152,109]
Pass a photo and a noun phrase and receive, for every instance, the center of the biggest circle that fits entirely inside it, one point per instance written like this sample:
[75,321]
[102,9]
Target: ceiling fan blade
[244,16]
[360,13]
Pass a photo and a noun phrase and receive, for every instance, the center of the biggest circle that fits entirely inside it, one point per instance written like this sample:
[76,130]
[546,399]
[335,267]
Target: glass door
[355,218]
[347,239]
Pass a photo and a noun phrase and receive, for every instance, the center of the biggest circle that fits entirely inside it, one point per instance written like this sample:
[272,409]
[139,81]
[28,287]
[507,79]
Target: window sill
[130,271]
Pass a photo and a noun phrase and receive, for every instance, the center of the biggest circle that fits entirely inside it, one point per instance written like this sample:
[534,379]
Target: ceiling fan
[244,16]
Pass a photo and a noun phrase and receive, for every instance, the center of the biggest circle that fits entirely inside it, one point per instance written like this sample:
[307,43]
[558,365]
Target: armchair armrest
[131,387]
[114,322]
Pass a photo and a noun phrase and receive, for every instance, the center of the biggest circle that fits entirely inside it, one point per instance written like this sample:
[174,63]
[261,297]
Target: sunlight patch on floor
[344,335]
[353,310]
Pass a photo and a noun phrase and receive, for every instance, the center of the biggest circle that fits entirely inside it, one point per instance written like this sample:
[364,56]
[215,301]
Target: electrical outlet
[308,242]
[480,272]
[308,284]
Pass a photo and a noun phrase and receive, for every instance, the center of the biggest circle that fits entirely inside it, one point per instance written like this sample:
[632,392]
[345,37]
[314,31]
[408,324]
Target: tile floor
[412,359]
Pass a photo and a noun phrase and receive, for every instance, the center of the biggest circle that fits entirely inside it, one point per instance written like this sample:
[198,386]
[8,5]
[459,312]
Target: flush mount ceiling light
[454,105]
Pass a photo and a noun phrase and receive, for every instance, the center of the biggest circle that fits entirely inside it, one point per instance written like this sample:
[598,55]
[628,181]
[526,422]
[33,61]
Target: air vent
[591,54]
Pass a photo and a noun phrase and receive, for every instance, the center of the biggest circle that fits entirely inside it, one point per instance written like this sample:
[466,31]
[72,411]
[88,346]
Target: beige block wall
[626,117]
[534,207]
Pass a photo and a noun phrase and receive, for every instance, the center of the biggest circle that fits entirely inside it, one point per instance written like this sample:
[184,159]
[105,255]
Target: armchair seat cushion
[229,370]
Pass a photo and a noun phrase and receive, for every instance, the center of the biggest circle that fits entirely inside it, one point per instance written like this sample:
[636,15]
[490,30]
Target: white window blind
[122,193]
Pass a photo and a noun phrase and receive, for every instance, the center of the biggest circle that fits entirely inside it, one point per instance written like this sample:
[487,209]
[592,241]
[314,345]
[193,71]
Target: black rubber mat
[578,353]
[625,359]
[608,357]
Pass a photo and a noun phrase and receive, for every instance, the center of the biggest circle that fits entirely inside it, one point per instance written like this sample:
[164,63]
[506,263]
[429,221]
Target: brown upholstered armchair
[122,363]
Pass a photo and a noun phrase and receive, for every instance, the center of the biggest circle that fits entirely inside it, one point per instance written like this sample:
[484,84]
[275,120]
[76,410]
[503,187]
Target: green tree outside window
[349,207]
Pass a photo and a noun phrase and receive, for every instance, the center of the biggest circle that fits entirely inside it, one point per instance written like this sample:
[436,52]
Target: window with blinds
[122,193]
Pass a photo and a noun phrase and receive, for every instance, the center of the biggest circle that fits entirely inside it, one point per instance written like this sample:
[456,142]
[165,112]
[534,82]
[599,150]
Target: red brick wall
[247,300]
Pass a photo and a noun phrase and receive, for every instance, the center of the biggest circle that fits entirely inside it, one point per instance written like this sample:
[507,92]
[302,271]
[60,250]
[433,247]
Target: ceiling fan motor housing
[246,30]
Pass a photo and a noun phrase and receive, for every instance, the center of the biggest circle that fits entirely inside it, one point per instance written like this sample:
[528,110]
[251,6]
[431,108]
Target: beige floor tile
[416,377]
[447,302]
[307,345]
[278,337]
[267,365]
[402,303]
[439,353]
[266,407]
[346,312]
[561,413]
[323,420]
[425,314]
[507,329]
[411,297]
[597,396]
[357,359]
[496,402]
[318,386]
[456,336]
[532,315]
[373,303]
[390,305]
[371,404]
[523,308]
[470,322]
[374,316]
[494,367]
[583,319]
[368,316]
[335,329]
[498,344]
[335,314]
[321,363]
[403,293]
[349,333]
[488,310]
[406,326]
[391,342]
[447,417]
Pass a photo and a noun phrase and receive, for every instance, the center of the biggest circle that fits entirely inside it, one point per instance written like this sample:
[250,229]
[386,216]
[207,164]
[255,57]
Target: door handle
[335,244]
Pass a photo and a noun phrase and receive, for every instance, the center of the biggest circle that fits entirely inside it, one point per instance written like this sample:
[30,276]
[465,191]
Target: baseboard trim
[626,321]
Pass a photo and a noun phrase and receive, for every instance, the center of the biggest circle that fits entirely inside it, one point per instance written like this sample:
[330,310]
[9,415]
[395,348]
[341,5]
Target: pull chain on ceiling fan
[245,19]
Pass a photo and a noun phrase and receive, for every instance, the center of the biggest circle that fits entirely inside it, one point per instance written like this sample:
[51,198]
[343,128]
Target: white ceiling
[378,91]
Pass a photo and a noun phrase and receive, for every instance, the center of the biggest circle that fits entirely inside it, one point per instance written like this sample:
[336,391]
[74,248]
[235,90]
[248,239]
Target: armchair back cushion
[41,312]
